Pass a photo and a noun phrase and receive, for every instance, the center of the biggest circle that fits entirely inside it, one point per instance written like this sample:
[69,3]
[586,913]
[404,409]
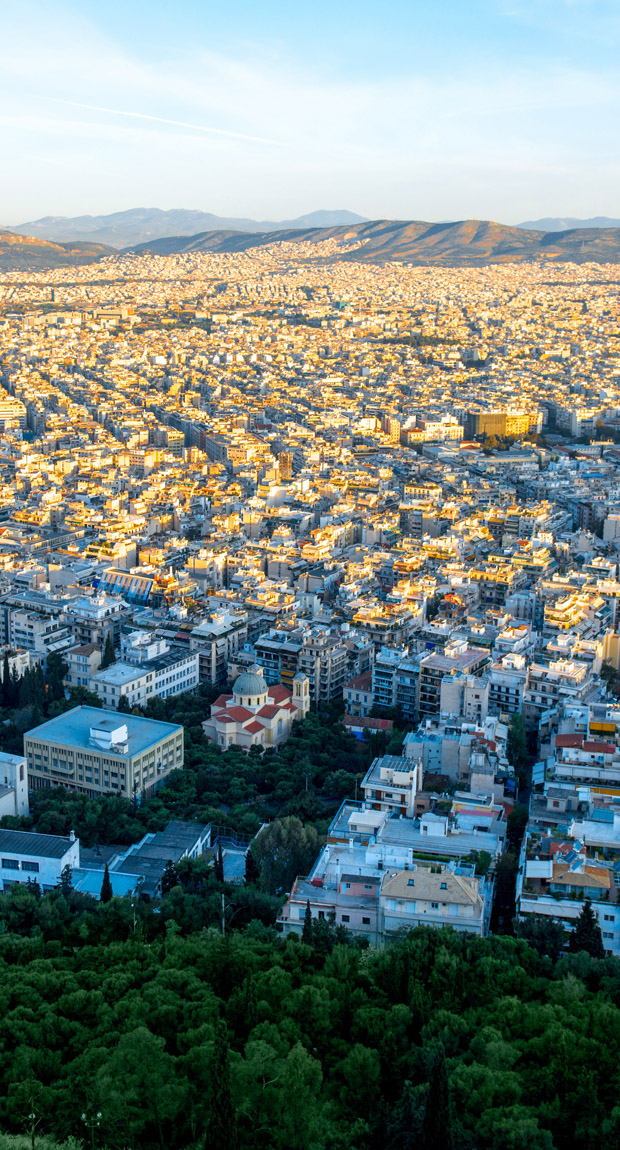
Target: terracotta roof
[221,700]
[568,740]
[599,748]
[361,682]
[254,727]
[239,714]
[269,711]
[367,721]
[279,693]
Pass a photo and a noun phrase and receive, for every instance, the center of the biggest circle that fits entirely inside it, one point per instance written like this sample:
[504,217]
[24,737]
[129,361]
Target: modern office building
[103,752]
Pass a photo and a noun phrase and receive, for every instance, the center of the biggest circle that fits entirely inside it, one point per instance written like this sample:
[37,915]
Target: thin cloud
[164,120]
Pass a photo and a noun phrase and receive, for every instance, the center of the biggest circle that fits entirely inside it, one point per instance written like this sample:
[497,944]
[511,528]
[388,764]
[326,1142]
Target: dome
[249,683]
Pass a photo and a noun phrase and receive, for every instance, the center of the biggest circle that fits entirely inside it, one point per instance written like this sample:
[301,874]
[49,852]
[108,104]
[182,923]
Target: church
[256,715]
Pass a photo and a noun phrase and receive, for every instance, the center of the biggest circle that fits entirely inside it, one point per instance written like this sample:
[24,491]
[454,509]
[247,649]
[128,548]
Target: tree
[219,864]
[436,1131]
[544,934]
[284,850]
[222,1131]
[587,933]
[66,881]
[106,886]
[55,670]
[252,873]
[306,934]
[109,656]
[169,878]
[123,705]
[6,681]
[516,746]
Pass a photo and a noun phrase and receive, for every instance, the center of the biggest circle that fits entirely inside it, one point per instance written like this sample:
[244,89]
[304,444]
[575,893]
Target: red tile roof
[367,721]
[269,711]
[280,693]
[221,700]
[568,740]
[361,682]
[254,727]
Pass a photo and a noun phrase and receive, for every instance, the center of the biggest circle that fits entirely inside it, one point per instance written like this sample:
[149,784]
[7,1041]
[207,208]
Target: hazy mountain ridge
[462,243]
[142,225]
[567,223]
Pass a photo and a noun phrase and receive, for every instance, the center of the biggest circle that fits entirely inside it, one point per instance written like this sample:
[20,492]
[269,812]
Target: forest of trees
[165,1034]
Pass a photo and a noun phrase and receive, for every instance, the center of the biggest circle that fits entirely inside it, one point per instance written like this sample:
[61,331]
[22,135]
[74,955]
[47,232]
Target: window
[10,864]
[435,906]
[321,914]
[31,866]
[609,918]
[608,934]
[444,886]
[410,882]
[367,886]
[366,922]
[346,918]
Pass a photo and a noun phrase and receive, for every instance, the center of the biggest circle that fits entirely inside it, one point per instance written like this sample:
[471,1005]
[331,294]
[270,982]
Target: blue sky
[502,109]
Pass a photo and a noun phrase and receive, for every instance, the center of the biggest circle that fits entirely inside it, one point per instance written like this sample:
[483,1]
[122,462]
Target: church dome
[249,683]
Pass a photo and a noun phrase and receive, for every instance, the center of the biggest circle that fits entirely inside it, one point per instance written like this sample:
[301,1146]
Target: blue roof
[73,729]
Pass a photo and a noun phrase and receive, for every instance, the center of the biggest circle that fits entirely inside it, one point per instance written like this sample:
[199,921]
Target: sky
[493,109]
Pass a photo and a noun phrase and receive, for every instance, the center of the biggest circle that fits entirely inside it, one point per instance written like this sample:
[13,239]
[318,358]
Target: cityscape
[310,577]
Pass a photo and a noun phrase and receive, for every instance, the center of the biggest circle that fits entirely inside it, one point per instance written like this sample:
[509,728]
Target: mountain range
[141,225]
[557,224]
[464,243]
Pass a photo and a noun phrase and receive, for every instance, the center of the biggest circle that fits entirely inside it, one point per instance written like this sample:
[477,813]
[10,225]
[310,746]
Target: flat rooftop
[73,729]
[29,843]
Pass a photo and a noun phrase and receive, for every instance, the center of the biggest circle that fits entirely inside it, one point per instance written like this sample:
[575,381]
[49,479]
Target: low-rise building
[28,857]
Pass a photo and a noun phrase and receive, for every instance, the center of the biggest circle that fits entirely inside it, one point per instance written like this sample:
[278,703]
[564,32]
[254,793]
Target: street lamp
[92,1124]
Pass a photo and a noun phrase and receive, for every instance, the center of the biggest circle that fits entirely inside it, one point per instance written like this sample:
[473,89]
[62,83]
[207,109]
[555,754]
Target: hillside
[29,252]
[143,225]
[463,243]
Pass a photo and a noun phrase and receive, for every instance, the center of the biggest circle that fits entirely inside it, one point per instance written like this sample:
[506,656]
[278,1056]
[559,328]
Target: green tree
[284,850]
[222,1130]
[252,872]
[219,864]
[169,878]
[587,933]
[544,934]
[109,655]
[306,933]
[55,670]
[516,746]
[106,886]
[437,1125]
[123,705]
[6,696]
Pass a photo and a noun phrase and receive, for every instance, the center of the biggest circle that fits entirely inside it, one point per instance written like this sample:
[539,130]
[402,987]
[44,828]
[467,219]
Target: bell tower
[301,694]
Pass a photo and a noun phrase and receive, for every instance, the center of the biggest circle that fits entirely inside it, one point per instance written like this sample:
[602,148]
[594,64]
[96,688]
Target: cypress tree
[169,878]
[307,934]
[106,886]
[108,654]
[123,705]
[437,1122]
[252,873]
[219,864]
[222,1131]
[587,933]
[6,681]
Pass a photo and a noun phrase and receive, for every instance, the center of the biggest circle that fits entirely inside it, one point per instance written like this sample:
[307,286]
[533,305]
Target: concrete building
[27,857]
[13,785]
[102,752]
